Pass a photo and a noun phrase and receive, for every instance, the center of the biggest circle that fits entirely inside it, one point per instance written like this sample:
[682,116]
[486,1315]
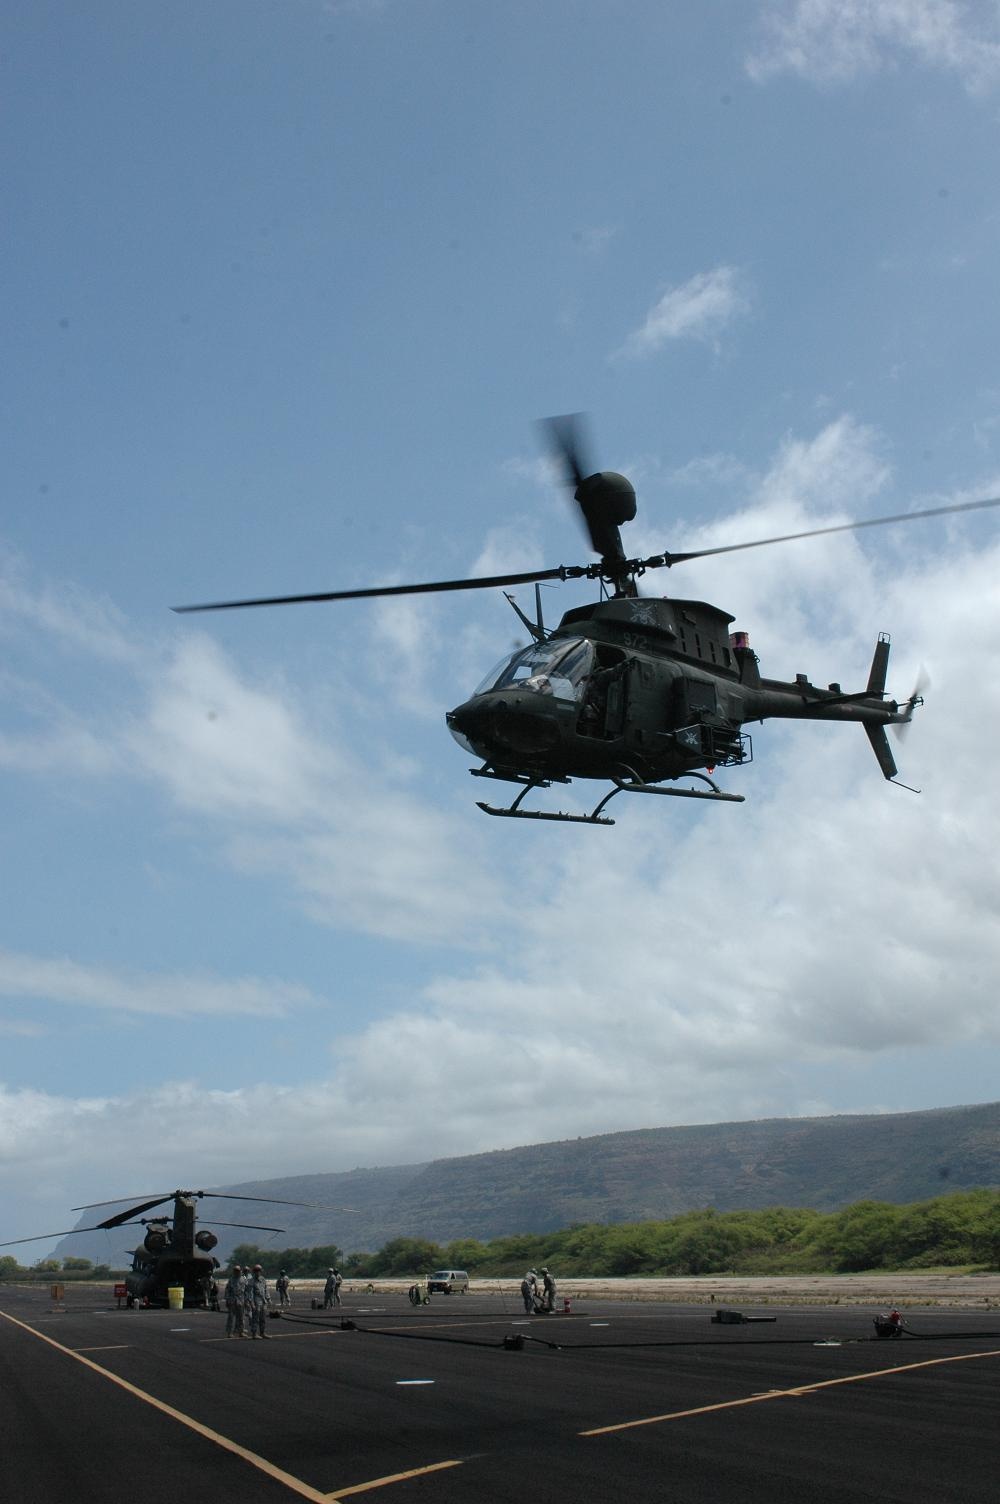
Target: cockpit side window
[559,668]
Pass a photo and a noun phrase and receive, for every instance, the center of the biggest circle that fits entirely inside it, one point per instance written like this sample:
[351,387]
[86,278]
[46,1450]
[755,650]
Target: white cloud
[225,746]
[176,994]
[715,470]
[542,471]
[268,771]
[833,41]
[67,746]
[358,849]
[22,1028]
[69,616]
[697,309]
[403,636]
[511,548]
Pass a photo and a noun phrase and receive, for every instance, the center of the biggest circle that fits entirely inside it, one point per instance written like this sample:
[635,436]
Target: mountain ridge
[631,1175]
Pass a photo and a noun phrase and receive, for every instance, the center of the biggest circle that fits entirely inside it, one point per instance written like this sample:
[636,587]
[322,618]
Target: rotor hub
[609,495]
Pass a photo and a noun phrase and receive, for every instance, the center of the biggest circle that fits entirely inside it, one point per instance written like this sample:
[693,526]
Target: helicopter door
[614,720]
[605,701]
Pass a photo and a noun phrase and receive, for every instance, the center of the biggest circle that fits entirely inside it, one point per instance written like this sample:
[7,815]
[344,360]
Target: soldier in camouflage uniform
[234,1303]
[247,1301]
[260,1300]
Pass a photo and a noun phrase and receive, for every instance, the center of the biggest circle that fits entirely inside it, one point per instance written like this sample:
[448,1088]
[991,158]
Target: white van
[447,1281]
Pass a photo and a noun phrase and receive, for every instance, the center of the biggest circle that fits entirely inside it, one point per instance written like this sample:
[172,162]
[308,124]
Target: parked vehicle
[447,1281]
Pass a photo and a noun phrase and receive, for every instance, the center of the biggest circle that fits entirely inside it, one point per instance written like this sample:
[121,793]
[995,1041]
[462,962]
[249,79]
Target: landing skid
[633,785]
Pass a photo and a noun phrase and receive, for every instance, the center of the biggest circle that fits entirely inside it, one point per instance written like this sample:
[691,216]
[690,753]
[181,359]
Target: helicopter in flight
[172,1253]
[637,691]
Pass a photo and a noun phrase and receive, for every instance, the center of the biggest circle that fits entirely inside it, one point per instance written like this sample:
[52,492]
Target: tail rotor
[901,727]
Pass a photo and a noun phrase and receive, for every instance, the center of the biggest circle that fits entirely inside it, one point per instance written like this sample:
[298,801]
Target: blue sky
[287,286]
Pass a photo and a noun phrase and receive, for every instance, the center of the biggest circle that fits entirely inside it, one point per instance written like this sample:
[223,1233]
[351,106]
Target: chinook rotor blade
[318,1206]
[132,1211]
[817,532]
[41,1236]
[117,1200]
[252,1226]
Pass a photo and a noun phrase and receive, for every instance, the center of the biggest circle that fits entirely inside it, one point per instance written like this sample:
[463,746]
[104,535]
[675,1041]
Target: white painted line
[414,1381]
[600,1323]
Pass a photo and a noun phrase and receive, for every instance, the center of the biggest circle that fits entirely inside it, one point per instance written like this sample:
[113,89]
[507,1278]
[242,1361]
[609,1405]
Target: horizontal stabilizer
[876,675]
[880,746]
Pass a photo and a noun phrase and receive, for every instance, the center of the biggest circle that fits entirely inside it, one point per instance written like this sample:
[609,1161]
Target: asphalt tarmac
[649,1401]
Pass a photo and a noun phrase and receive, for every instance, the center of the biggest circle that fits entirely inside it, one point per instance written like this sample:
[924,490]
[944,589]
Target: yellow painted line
[774,1394]
[111,1347]
[414,1472]
[278,1474]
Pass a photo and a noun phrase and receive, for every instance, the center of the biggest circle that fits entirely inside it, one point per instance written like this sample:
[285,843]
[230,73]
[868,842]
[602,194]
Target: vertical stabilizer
[876,674]
[880,742]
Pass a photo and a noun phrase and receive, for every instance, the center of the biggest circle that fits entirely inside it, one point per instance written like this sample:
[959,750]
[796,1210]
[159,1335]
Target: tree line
[958,1229]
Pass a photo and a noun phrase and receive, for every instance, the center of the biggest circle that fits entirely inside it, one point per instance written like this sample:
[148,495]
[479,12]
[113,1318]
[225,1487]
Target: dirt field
[958,1290]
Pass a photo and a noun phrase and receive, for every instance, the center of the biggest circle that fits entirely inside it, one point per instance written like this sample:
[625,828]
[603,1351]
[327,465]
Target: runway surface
[652,1401]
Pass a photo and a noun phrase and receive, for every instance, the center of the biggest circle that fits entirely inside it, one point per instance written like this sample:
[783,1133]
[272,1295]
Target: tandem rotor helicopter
[172,1253]
[638,691]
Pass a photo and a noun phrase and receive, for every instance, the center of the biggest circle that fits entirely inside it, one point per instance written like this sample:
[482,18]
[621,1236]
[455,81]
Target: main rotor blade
[253,1226]
[319,1206]
[840,527]
[168,1195]
[116,1201]
[565,436]
[132,1211]
[483,582]
[274,1200]
[40,1236]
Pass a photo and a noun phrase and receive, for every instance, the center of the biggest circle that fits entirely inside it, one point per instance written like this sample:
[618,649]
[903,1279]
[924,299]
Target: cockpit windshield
[559,668]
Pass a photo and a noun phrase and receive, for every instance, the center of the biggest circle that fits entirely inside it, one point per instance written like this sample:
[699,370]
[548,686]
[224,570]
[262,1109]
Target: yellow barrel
[175,1297]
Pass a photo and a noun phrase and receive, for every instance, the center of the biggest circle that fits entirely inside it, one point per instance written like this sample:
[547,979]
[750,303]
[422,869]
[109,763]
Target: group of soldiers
[538,1291]
[248,1301]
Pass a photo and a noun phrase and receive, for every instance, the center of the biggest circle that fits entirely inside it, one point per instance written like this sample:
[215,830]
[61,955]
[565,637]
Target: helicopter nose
[513,724]
[456,724]
[467,725]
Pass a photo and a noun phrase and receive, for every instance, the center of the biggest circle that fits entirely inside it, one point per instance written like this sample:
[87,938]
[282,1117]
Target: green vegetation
[305,1263]
[68,1271]
[962,1229]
